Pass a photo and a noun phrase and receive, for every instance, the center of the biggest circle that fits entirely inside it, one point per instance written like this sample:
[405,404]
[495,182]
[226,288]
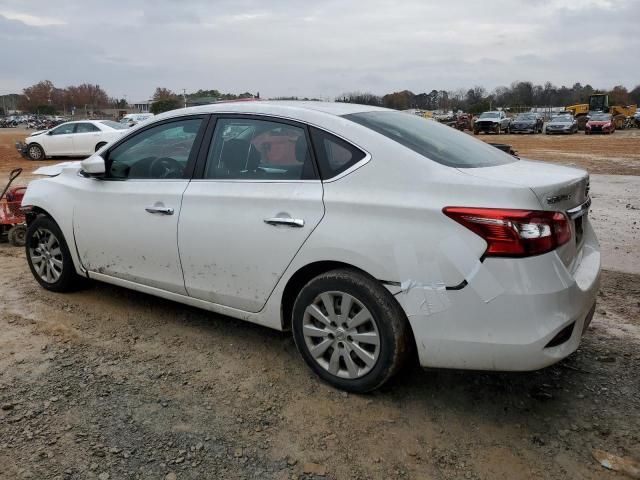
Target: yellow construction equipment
[599,102]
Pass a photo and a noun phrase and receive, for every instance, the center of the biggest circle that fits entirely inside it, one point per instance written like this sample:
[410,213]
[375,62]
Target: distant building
[141,107]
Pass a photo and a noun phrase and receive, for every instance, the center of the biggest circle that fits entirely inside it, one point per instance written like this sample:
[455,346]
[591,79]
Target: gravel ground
[108,383]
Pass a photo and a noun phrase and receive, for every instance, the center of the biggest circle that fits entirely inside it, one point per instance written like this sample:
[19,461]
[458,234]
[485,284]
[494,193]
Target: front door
[59,141]
[126,224]
[257,201]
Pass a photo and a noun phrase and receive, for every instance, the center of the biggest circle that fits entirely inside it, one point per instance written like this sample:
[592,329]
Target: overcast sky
[316,48]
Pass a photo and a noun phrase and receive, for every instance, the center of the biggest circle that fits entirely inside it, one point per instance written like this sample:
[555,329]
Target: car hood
[38,132]
[560,124]
[557,187]
[598,123]
[524,122]
[492,120]
[54,170]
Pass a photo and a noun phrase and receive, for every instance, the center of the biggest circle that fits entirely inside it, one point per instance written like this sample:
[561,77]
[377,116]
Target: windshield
[433,140]
[562,119]
[526,116]
[114,125]
[490,115]
[600,117]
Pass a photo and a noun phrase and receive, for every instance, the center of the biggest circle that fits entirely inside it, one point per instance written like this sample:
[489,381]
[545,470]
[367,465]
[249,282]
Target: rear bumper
[536,318]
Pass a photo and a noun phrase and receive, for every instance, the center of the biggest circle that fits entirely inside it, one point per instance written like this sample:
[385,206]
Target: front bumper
[558,130]
[536,319]
[22,148]
[523,128]
[486,127]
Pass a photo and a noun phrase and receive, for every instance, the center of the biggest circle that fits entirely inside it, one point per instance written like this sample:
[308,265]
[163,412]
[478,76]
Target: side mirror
[94,165]
[50,132]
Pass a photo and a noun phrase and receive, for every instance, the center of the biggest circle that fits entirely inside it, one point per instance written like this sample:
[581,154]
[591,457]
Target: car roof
[294,109]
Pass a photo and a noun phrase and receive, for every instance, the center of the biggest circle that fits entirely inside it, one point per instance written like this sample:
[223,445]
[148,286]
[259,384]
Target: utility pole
[184,97]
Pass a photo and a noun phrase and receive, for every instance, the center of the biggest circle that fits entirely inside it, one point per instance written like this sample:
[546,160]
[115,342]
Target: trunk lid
[557,188]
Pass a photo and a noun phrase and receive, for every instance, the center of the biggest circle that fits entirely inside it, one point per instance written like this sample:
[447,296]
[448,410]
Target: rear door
[256,199]
[85,138]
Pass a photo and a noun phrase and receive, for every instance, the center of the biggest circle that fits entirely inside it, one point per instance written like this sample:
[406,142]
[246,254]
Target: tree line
[522,95]
[165,99]
[45,98]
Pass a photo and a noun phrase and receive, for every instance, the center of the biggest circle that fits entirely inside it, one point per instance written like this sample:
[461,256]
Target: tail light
[514,233]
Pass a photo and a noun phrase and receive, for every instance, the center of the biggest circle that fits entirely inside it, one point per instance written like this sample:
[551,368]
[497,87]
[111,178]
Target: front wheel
[16,235]
[48,256]
[350,330]
[35,152]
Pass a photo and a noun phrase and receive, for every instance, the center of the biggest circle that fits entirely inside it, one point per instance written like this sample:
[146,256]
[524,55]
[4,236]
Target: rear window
[114,125]
[433,140]
[334,155]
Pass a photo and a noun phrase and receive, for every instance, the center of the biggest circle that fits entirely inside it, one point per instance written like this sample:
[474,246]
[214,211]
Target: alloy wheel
[35,152]
[341,335]
[46,255]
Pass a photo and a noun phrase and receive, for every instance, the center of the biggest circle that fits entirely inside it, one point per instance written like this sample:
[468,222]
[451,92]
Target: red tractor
[12,220]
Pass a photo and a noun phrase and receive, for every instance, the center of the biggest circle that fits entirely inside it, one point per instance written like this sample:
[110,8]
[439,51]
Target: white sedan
[72,139]
[369,233]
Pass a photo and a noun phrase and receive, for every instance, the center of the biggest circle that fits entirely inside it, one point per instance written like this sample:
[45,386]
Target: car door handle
[289,222]
[161,210]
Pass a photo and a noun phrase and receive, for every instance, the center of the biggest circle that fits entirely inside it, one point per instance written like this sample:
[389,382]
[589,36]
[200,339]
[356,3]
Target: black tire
[386,315]
[17,235]
[68,280]
[100,145]
[35,152]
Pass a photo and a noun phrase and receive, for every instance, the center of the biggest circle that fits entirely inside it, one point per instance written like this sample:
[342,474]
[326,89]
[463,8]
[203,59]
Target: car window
[258,150]
[63,129]
[334,154]
[159,152]
[114,125]
[86,128]
[433,140]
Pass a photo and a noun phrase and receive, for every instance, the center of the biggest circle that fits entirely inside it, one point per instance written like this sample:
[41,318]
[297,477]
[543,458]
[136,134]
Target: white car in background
[132,119]
[369,233]
[72,139]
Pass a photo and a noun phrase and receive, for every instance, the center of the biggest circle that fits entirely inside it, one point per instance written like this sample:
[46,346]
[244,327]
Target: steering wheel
[165,167]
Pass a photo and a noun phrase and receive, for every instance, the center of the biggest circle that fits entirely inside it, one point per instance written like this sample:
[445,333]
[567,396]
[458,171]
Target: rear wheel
[350,330]
[35,152]
[49,258]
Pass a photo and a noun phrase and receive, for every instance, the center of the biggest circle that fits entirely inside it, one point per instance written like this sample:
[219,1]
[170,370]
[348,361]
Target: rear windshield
[435,141]
[114,125]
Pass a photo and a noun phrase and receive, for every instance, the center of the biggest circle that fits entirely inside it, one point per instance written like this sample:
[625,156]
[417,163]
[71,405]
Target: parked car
[494,122]
[599,123]
[264,211]
[562,123]
[132,119]
[527,123]
[71,139]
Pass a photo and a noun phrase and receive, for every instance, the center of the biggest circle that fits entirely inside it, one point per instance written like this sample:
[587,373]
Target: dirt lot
[109,383]
[617,154]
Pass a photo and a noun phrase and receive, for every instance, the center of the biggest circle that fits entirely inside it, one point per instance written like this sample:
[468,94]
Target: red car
[600,123]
